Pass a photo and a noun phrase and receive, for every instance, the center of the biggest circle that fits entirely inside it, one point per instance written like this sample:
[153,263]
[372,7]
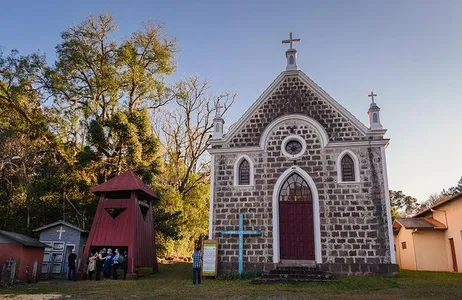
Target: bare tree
[185,130]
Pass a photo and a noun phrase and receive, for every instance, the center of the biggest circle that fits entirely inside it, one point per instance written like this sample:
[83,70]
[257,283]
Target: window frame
[237,165]
[355,166]
[403,245]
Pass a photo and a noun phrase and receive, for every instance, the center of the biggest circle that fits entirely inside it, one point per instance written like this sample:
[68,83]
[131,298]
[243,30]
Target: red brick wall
[29,255]
[25,256]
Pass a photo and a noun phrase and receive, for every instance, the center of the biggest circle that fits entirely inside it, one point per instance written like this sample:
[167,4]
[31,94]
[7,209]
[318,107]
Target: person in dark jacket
[72,263]
[99,263]
[124,265]
[108,264]
[115,263]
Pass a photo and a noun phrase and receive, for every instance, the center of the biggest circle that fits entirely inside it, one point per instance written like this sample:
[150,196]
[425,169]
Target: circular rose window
[293,146]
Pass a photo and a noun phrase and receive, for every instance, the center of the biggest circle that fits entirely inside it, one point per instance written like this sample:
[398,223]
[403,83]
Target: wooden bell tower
[124,220]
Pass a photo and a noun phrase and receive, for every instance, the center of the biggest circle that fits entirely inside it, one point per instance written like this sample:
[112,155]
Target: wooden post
[34,271]
[13,272]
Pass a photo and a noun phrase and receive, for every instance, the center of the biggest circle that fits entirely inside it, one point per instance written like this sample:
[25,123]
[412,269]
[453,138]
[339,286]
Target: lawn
[174,282]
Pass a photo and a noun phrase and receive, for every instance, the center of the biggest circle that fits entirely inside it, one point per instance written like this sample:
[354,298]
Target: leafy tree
[402,205]
[103,90]
[185,132]
[432,200]
[107,99]
[443,195]
[24,134]
[454,189]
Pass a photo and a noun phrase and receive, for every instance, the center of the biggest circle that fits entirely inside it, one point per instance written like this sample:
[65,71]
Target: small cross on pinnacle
[218,108]
[290,41]
[372,95]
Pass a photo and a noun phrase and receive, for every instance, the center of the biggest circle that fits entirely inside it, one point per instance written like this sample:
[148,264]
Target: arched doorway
[296,224]
[296,232]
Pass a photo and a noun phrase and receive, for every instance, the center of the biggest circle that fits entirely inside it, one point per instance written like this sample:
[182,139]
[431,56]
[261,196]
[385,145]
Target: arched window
[295,188]
[348,168]
[291,60]
[244,172]
[375,118]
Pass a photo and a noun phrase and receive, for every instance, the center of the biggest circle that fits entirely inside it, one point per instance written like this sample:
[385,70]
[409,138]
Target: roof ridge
[126,181]
[60,222]
[23,239]
[453,197]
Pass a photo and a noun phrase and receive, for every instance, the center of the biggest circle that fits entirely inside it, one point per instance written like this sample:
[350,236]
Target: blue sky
[408,52]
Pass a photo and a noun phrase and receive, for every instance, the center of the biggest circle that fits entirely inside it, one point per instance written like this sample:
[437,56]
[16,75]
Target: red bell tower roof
[126,181]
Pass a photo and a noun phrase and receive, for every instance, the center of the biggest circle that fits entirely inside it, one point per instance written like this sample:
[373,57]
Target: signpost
[241,233]
[210,258]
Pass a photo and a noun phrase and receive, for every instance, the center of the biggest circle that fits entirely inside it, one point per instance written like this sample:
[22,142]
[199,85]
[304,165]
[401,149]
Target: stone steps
[284,274]
[291,280]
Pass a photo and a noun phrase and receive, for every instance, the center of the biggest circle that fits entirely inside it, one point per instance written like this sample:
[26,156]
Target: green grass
[174,282]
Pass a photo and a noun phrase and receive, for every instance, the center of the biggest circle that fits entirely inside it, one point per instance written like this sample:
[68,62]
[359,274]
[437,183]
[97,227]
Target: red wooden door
[296,232]
[453,254]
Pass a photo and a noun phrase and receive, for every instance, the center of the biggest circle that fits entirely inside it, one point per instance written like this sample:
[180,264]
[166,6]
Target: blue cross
[241,233]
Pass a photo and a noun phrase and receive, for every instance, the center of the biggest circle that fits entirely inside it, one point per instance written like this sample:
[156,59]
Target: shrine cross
[372,95]
[290,41]
[241,233]
[60,230]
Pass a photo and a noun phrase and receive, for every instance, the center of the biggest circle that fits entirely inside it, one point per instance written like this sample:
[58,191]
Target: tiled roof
[127,181]
[23,239]
[420,223]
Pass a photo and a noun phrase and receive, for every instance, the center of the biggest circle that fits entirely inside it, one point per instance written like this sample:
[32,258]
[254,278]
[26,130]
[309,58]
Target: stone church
[308,175]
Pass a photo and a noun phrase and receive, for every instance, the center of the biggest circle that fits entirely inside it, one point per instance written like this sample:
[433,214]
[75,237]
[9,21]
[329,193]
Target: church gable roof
[293,92]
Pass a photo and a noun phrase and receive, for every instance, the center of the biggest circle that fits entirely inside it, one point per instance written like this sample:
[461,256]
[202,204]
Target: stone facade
[353,221]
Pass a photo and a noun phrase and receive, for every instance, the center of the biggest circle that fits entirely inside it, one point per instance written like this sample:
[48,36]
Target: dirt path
[31,297]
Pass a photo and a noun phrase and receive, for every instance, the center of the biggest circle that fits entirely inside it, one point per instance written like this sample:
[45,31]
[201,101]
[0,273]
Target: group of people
[107,262]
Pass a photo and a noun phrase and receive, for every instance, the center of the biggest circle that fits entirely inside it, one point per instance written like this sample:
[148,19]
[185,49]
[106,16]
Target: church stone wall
[354,236]
[293,96]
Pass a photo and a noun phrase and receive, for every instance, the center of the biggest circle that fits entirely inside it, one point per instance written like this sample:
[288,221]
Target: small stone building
[61,237]
[307,174]
[25,251]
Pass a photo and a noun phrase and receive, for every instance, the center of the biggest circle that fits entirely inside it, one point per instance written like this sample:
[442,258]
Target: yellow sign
[210,258]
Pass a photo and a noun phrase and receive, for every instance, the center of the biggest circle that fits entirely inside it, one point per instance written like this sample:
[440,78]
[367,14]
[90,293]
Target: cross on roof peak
[290,41]
[372,95]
